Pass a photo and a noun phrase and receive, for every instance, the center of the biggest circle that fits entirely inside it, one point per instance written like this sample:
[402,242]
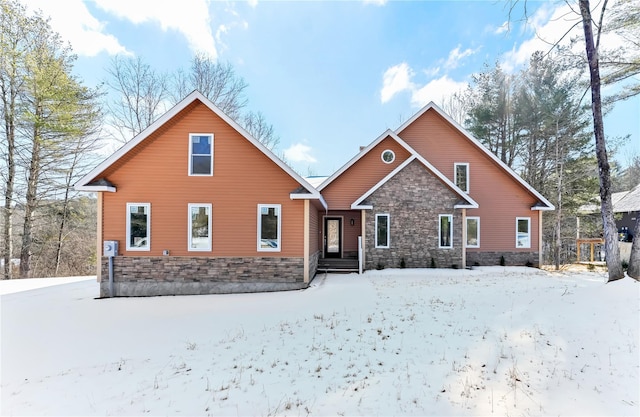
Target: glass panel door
[333,237]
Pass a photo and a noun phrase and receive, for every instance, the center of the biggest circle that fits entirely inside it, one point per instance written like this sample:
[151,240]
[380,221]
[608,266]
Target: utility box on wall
[110,248]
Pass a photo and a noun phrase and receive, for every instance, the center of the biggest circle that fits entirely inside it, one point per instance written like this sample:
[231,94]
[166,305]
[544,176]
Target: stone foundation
[313,264]
[172,275]
[510,258]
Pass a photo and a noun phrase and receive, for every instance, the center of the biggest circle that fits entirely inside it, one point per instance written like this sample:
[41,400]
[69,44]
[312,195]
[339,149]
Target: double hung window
[200,154]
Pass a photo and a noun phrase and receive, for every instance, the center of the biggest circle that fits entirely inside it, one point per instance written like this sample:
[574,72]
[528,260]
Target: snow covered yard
[492,341]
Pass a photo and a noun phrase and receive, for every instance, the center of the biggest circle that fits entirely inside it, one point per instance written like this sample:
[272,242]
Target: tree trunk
[65,211]
[65,208]
[9,94]
[8,198]
[31,200]
[612,250]
[558,225]
[634,261]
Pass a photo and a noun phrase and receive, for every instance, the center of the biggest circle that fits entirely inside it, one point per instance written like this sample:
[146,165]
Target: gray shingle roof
[630,201]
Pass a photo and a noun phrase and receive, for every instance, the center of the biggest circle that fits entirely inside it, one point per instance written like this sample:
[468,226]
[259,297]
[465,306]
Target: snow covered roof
[316,180]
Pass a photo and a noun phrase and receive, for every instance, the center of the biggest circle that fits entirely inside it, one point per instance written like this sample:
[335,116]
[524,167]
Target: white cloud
[436,90]
[549,24]
[395,80]
[299,152]
[556,24]
[501,29]
[399,78]
[192,20]
[455,56]
[76,25]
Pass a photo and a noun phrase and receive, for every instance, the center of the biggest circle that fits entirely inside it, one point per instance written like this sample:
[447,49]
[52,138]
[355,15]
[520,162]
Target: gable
[443,142]
[409,180]
[162,160]
[413,187]
[166,137]
[367,168]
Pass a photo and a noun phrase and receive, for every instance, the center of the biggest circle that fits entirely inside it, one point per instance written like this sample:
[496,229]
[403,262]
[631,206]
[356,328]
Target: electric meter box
[110,248]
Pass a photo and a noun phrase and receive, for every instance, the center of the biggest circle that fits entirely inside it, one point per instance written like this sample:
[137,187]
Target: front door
[332,237]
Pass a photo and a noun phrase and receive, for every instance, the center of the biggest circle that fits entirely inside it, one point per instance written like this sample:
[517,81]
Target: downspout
[464,238]
[99,238]
[306,242]
[363,231]
[540,239]
[111,276]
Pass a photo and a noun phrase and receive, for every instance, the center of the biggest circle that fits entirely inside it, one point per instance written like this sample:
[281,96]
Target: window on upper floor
[269,227]
[200,154]
[523,232]
[473,232]
[138,226]
[388,156]
[382,230]
[445,230]
[461,172]
[199,227]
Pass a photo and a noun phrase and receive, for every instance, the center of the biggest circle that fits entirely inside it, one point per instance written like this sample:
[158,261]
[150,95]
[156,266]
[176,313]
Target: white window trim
[393,156]
[191,174]
[189,242]
[450,216]
[259,242]
[528,219]
[128,237]
[477,219]
[455,174]
[375,231]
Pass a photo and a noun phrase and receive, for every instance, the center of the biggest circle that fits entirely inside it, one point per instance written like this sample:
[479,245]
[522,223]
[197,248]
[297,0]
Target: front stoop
[346,265]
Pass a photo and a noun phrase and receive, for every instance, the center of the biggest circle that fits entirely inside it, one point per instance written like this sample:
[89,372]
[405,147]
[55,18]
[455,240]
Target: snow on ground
[491,341]
[17,285]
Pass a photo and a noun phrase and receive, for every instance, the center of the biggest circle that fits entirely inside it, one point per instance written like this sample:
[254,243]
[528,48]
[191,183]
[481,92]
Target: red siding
[500,197]
[243,177]
[363,175]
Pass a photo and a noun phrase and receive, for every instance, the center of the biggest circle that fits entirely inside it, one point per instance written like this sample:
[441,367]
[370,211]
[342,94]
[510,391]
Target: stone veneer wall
[413,198]
[313,264]
[173,275]
[510,258]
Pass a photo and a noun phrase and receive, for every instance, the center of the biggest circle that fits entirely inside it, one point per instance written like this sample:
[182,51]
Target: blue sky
[330,76]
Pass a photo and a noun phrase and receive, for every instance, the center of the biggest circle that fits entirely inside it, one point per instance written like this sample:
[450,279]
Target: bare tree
[216,81]
[256,124]
[457,106]
[141,95]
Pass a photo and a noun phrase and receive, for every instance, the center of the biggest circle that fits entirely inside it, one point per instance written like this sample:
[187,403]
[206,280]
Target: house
[200,206]
[626,206]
